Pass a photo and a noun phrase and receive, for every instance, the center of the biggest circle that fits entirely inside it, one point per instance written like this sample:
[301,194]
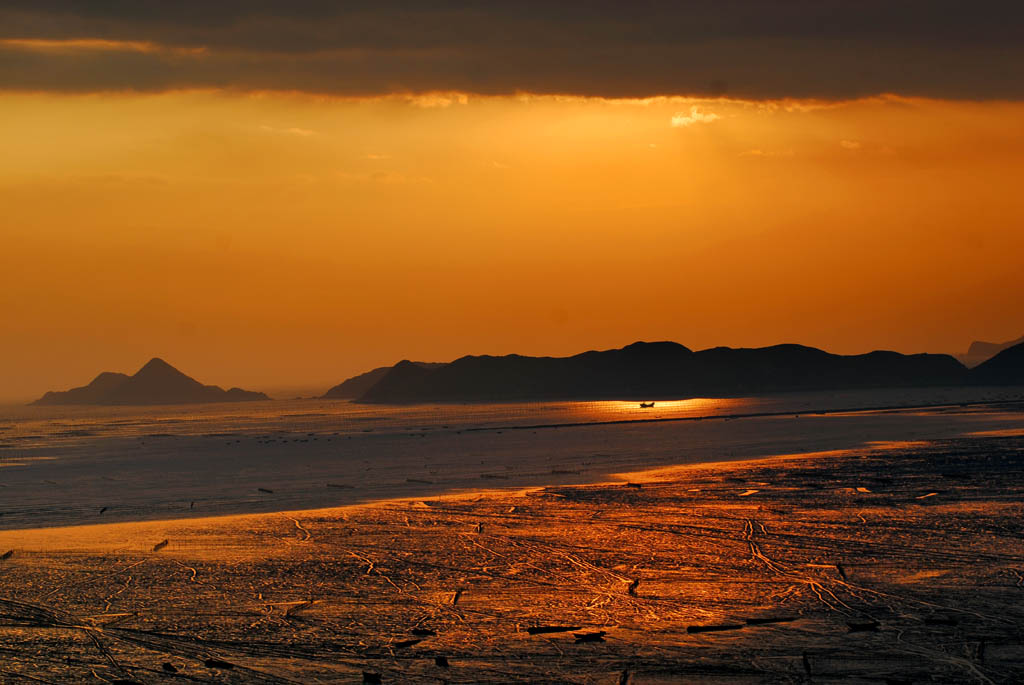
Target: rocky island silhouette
[155,383]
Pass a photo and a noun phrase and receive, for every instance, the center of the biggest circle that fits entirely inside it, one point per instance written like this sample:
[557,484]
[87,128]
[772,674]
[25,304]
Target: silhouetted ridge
[661,369]
[155,383]
[981,351]
[355,386]
[626,372]
[100,386]
[1006,368]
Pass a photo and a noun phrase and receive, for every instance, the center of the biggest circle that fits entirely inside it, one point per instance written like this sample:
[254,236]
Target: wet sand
[891,563]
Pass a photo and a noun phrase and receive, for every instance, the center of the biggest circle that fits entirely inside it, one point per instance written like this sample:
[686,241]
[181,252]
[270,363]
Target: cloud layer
[830,49]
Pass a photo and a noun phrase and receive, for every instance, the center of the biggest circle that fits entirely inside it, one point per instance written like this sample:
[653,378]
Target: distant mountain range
[355,387]
[981,351]
[660,370]
[638,371]
[1006,368]
[155,383]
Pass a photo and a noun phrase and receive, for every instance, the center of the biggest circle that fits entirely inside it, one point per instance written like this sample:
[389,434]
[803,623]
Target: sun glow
[282,238]
[661,409]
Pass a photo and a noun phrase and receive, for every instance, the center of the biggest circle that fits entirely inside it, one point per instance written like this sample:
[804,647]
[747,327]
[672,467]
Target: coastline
[176,477]
[134,536]
[895,563]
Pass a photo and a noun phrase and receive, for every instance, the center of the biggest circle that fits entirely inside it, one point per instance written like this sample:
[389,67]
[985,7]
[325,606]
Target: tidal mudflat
[890,563]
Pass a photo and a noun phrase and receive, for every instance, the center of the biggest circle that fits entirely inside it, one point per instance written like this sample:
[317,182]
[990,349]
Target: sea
[64,466]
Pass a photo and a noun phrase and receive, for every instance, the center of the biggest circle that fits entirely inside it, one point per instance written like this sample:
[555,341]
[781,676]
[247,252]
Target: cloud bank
[828,49]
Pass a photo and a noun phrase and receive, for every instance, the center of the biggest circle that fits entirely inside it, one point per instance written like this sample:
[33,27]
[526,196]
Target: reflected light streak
[696,406]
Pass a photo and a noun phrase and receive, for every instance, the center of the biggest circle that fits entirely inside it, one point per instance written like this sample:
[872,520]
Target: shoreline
[190,477]
[901,564]
[625,479]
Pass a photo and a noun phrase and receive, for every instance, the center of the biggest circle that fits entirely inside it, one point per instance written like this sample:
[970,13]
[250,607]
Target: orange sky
[273,239]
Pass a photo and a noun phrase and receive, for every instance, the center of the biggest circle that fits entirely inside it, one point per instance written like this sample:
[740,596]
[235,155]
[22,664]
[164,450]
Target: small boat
[646,405]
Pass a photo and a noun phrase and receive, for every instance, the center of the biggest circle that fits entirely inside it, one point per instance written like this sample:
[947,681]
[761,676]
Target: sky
[281,196]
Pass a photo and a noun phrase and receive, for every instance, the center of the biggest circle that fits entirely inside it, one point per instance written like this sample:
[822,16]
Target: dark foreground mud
[896,565]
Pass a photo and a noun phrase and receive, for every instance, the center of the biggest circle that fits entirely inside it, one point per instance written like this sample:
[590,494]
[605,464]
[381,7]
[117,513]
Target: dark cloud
[743,48]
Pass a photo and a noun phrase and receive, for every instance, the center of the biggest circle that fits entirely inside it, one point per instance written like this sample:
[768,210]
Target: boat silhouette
[646,405]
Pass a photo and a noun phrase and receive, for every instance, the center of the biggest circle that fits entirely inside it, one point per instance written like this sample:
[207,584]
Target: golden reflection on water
[616,410]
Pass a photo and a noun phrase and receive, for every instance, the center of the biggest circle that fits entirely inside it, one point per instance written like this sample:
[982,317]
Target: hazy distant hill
[661,369]
[155,383]
[980,351]
[357,385]
[100,386]
[1006,368]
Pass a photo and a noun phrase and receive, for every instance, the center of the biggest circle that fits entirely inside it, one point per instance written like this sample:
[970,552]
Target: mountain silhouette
[1006,368]
[355,386]
[981,351]
[660,370]
[93,393]
[155,383]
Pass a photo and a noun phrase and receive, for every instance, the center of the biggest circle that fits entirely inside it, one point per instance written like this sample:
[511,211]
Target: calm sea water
[24,426]
[64,466]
